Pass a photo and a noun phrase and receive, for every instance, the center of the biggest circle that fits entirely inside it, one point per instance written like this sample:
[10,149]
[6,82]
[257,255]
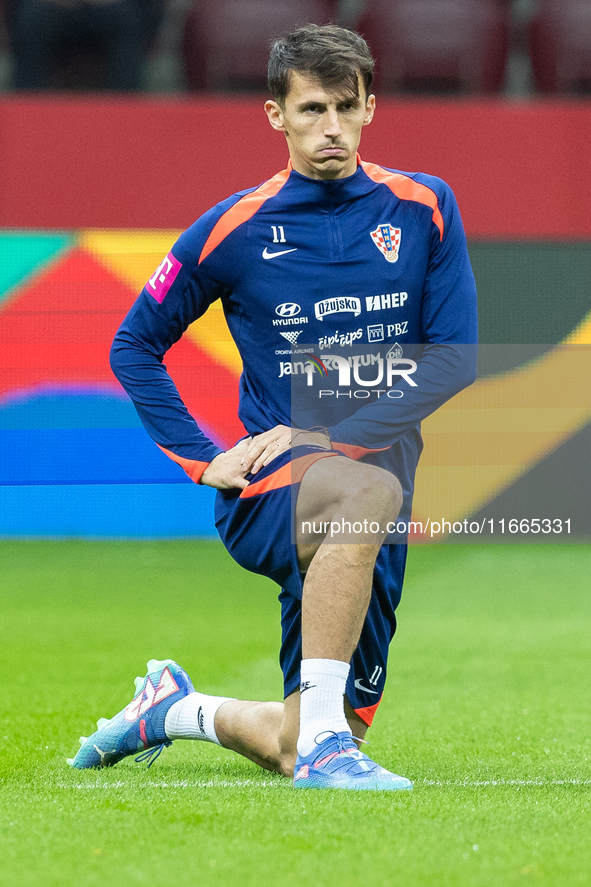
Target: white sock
[193,717]
[322,691]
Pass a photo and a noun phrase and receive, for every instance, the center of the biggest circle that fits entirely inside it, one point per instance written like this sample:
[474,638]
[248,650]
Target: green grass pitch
[487,709]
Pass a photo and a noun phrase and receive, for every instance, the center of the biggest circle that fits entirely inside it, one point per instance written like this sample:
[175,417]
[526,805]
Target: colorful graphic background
[64,419]
[75,460]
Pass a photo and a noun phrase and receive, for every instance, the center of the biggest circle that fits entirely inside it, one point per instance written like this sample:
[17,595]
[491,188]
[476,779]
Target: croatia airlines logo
[163,278]
[292,336]
[387,240]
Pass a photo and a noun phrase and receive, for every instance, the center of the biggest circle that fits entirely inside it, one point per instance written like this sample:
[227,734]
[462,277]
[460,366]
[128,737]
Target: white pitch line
[461,783]
[242,783]
[211,783]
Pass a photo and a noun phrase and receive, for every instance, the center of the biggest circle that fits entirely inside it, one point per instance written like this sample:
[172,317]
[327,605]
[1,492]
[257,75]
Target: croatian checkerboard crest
[387,240]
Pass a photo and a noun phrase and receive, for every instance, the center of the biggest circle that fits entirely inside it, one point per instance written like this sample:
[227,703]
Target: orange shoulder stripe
[406,188]
[191,466]
[243,210]
[289,474]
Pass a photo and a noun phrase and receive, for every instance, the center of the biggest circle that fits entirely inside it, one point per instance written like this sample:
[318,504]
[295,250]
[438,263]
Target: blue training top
[327,286]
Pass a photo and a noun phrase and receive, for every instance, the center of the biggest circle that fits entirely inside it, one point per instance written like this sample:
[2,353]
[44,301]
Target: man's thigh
[337,502]
[256,525]
[288,502]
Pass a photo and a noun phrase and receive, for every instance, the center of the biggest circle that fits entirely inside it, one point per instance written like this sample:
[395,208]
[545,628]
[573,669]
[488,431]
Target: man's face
[323,129]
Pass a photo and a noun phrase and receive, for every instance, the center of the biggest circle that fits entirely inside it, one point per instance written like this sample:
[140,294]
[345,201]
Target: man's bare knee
[375,492]
[331,484]
[344,501]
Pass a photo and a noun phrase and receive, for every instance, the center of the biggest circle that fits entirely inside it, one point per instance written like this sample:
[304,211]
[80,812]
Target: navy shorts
[256,527]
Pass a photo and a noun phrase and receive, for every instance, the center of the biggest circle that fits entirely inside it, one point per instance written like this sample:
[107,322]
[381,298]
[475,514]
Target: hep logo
[288,309]
[150,695]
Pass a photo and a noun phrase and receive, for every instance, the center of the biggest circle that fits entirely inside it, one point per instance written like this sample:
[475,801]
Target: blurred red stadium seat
[438,45]
[226,42]
[560,46]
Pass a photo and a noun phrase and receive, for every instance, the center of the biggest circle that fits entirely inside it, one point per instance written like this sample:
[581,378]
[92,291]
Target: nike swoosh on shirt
[268,255]
[360,686]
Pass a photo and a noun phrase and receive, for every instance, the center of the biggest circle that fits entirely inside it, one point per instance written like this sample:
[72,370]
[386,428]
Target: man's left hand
[267,446]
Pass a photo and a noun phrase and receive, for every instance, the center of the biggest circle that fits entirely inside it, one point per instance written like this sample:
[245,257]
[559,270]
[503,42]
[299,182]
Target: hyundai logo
[288,309]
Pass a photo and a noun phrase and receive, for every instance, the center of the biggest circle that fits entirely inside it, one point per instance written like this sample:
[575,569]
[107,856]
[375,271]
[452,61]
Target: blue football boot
[140,726]
[336,762]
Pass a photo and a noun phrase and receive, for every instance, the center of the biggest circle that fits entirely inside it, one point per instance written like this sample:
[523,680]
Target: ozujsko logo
[340,305]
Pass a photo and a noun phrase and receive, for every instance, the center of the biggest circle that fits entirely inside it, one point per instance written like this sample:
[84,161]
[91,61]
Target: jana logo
[288,309]
[387,240]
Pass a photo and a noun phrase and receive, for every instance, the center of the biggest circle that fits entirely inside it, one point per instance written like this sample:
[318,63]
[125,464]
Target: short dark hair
[330,53]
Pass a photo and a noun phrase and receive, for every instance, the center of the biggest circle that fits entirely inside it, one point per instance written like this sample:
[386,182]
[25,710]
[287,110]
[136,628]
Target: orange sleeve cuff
[192,467]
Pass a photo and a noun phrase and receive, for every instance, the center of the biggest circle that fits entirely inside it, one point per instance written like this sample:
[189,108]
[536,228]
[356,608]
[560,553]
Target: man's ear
[274,112]
[370,108]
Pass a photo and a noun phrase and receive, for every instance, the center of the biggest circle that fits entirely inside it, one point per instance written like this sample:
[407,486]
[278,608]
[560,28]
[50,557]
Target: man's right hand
[225,472]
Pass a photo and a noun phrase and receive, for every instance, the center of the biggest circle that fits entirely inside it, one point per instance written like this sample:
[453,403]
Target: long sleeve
[177,294]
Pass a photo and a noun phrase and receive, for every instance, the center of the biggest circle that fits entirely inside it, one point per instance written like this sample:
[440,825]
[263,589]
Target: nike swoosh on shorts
[360,686]
[268,255]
